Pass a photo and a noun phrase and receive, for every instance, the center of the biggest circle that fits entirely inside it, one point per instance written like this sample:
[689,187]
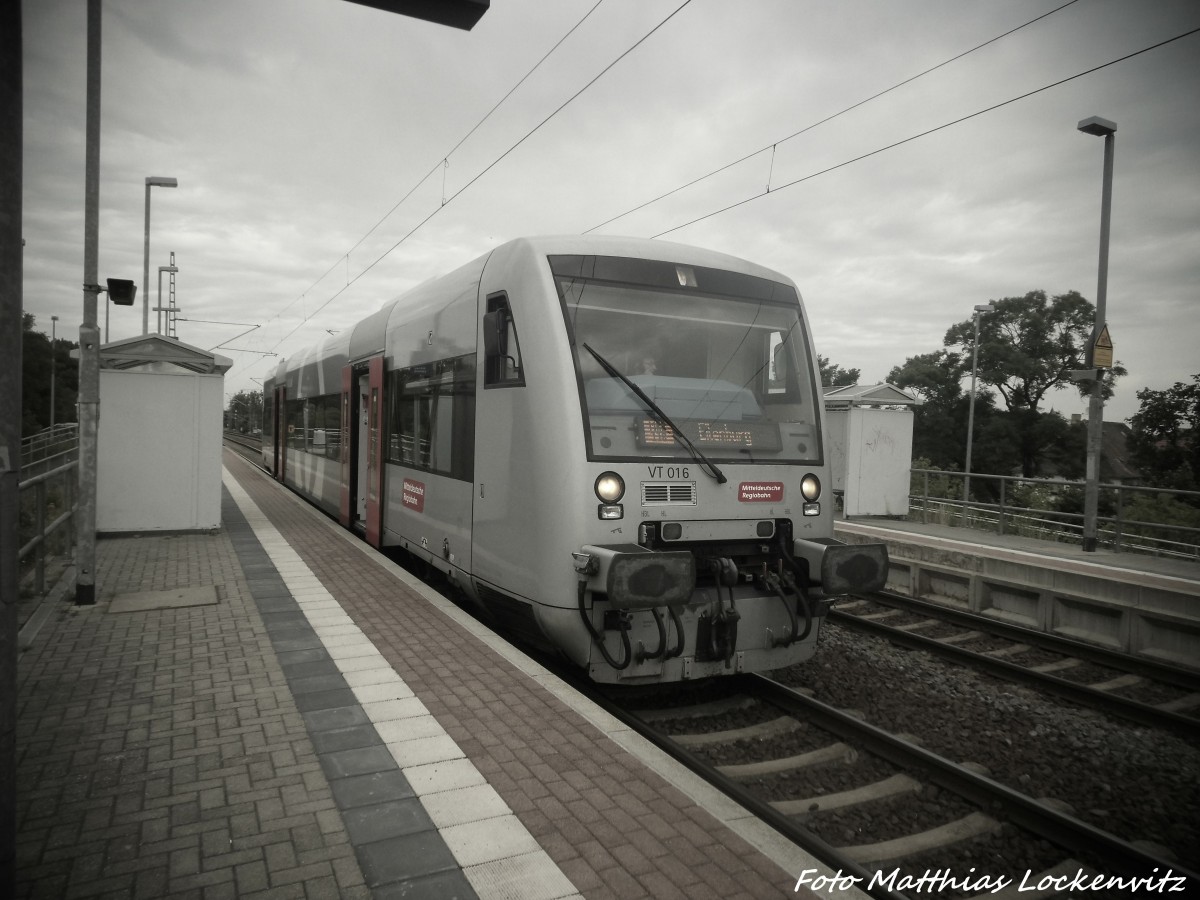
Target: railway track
[248,446]
[876,806]
[1143,691]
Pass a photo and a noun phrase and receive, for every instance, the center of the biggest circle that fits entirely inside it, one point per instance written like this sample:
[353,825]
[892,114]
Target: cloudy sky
[297,127]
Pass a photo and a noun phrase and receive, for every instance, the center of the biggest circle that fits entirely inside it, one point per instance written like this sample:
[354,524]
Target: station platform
[274,710]
[1130,602]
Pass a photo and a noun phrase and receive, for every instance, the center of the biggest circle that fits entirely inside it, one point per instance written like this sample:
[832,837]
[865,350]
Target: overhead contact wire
[444,161]
[828,118]
[930,131]
[493,164]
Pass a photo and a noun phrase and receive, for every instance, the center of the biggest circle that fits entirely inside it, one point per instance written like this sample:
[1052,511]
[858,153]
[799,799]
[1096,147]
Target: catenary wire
[928,132]
[828,118]
[485,170]
[441,160]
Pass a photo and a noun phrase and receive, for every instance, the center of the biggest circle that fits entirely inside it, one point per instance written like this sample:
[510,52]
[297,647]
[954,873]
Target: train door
[371,445]
[347,448]
[281,435]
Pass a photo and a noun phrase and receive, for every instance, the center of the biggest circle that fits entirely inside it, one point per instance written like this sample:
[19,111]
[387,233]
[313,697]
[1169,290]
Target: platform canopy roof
[148,349]
[846,396]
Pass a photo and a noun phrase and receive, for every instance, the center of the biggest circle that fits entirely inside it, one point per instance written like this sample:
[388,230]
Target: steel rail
[1159,670]
[1059,828]
[1123,707]
[761,809]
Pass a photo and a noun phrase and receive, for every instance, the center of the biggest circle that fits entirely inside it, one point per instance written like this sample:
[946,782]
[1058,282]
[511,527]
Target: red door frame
[374,473]
[347,408]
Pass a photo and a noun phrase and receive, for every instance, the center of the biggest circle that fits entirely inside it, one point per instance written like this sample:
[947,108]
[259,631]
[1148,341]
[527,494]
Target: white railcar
[613,446]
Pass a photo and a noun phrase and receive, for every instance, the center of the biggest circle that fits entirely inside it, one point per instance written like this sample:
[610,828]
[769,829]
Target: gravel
[1140,784]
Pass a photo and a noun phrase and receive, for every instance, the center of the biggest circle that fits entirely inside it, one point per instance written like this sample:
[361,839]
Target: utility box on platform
[159,441]
[870,436]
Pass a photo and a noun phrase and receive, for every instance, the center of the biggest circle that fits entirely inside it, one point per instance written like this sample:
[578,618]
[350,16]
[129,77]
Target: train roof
[645,248]
[367,336]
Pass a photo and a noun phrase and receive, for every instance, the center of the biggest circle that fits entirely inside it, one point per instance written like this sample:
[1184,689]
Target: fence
[935,496]
[48,488]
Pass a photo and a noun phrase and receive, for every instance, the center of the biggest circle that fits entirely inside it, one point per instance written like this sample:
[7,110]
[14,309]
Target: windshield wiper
[703,461]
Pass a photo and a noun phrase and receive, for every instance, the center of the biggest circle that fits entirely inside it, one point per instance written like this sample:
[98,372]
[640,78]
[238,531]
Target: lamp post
[53,369]
[1091,496]
[151,181]
[980,310]
[159,308]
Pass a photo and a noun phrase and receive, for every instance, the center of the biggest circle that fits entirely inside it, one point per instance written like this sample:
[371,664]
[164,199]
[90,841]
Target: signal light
[121,291]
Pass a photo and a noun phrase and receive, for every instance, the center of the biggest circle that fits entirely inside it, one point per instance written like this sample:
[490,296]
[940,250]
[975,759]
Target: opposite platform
[330,727]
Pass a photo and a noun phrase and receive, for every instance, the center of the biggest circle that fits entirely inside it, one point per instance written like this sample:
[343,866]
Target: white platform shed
[870,446]
[159,441]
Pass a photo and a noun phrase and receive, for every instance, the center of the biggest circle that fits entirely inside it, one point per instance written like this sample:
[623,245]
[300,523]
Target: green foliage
[940,422]
[38,360]
[1027,348]
[1163,440]
[935,487]
[1030,345]
[245,412]
[833,375]
[1163,509]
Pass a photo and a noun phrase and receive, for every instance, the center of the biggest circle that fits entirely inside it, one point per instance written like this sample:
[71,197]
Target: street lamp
[151,181]
[159,308]
[53,370]
[1091,496]
[981,310]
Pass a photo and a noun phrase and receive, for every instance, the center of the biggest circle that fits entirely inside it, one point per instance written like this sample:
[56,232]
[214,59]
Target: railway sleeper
[834,753]
[773,728]
[970,826]
[893,786]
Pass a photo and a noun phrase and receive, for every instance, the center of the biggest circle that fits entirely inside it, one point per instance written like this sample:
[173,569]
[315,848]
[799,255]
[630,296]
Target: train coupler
[617,620]
[716,636]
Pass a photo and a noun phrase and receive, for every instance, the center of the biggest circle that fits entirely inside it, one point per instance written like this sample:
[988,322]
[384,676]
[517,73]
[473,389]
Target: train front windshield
[723,356]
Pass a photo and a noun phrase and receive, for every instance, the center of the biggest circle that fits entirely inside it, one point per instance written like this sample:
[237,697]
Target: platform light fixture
[1097,127]
[980,310]
[53,368]
[151,181]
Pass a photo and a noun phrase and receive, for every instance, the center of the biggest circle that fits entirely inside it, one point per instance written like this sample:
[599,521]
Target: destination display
[711,435]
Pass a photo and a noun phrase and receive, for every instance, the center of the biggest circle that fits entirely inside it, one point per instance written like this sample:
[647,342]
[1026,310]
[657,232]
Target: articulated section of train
[612,446]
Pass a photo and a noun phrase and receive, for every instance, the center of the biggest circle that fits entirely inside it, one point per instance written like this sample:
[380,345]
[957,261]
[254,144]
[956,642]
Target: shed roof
[146,349]
[868,395]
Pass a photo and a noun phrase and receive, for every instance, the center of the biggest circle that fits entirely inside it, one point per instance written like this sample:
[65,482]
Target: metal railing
[53,492]
[49,449]
[997,505]
[48,487]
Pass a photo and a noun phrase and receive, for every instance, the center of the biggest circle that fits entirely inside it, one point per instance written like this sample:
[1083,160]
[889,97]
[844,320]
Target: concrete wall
[159,451]
[1122,609]
[870,454]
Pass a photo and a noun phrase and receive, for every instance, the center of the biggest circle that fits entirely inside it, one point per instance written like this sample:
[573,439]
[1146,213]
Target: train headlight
[610,487]
[810,487]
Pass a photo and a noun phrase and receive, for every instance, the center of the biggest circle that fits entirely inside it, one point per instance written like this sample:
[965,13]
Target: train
[612,447]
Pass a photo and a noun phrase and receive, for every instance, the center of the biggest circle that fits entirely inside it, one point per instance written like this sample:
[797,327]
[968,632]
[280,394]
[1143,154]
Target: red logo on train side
[413,495]
[760,492]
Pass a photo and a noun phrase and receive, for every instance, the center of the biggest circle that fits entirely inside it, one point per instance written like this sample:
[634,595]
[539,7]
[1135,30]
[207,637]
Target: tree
[940,422]
[1164,435]
[38,360]
[245,411]
[1027,348]
[833,375]
[1030,345]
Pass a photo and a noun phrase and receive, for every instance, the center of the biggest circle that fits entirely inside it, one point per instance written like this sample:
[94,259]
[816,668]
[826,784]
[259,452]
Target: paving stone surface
[161,752]
[243,749]
[615,828]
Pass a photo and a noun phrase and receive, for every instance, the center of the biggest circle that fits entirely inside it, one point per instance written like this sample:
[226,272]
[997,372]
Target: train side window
[502,350]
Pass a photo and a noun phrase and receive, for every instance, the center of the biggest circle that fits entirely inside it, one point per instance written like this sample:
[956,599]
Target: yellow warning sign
[1102,350]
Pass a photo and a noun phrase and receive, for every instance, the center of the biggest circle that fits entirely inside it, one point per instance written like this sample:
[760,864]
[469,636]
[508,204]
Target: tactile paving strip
[396,775]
